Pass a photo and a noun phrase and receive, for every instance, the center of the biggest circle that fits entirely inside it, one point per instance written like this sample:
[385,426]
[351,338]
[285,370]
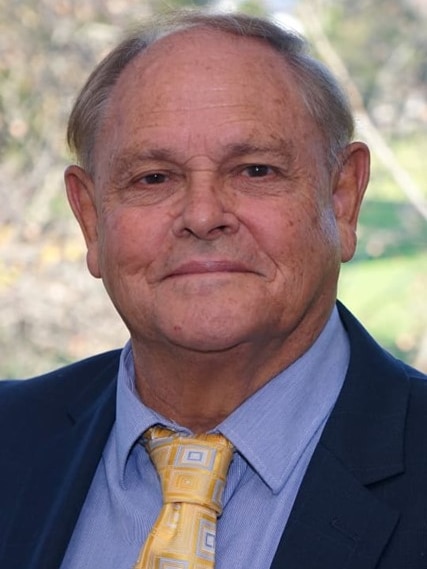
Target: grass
[388,295]
[385,285]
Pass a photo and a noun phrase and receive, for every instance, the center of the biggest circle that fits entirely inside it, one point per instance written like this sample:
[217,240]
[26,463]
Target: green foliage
[384,46]
[160,6]
[253,7]
[388,295]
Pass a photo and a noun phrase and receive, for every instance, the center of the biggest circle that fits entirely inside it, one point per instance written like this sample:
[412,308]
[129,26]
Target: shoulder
[35,412]
[368,356]
[417,405]
[417,378]
[380,384]
[61,384]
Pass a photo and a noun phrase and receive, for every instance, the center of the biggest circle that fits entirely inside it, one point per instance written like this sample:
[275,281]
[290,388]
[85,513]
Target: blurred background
[53,312]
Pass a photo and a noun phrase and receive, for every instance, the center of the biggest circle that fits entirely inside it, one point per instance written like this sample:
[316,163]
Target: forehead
[173,68]
[202,80]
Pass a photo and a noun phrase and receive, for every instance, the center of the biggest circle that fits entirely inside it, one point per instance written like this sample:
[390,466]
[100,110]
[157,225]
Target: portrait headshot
[250,420]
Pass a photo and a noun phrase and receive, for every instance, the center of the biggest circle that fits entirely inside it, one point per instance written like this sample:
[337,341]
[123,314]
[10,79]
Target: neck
[198,390]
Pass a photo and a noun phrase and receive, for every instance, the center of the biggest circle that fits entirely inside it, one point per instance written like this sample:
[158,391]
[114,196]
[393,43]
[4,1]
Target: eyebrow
[128,157]
[281,148]
[122,164]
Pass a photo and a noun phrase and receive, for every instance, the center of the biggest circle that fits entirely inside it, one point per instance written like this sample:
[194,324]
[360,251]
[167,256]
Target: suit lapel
[336,522]
[338,519]
[53,489]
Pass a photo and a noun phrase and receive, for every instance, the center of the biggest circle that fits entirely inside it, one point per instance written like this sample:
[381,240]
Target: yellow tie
[192,472]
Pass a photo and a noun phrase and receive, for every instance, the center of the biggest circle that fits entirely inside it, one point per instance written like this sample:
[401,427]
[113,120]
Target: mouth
[208,267]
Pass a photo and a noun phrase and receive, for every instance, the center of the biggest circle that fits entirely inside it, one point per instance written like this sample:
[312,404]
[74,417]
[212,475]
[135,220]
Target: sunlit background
[53,312]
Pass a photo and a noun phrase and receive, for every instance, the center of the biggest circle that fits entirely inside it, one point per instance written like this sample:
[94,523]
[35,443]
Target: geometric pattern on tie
[192,472]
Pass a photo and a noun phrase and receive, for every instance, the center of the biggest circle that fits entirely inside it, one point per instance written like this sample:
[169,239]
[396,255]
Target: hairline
[296,58]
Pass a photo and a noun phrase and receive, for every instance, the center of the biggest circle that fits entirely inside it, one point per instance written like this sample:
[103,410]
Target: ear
[350,185]
[81,197]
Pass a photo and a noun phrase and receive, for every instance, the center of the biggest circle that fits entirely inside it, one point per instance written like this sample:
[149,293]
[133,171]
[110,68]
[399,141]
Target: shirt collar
[276,424]
[287,412]
[133,417]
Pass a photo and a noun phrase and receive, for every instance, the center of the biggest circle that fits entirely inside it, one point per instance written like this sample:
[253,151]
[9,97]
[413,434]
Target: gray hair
[320,92]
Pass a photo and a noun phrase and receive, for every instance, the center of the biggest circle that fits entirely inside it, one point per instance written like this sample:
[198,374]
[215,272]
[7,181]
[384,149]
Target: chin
[206,340]
[204,344]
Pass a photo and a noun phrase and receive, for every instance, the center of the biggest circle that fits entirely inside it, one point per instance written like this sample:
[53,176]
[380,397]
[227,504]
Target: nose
[207,211]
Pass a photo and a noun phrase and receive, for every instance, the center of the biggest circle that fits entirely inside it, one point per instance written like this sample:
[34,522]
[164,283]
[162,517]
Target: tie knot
[191,469]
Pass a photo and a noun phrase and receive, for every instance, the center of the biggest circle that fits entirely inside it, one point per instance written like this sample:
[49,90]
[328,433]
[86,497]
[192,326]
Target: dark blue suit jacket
[362,503]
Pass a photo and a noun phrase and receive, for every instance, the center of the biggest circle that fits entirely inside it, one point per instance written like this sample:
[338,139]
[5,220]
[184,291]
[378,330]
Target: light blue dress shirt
[274,433]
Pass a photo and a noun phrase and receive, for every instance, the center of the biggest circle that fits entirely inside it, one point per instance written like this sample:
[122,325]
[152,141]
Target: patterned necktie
[192,473]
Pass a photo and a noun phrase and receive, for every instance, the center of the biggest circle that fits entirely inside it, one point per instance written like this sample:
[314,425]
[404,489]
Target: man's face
[211,216]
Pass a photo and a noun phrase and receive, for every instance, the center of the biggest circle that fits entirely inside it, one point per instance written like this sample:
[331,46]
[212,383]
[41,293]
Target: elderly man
[218,190]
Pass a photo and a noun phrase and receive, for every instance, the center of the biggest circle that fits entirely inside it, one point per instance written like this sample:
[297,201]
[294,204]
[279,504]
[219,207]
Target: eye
[154,178]
[257,170]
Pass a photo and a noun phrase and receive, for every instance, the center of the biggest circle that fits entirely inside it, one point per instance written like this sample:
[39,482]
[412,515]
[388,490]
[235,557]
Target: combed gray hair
[322,95]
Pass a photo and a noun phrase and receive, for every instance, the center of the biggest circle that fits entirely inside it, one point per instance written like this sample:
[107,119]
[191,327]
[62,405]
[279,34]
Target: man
[218,191]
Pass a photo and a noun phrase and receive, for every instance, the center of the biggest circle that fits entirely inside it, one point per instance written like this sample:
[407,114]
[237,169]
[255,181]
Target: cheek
[127,242]
[299,237]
